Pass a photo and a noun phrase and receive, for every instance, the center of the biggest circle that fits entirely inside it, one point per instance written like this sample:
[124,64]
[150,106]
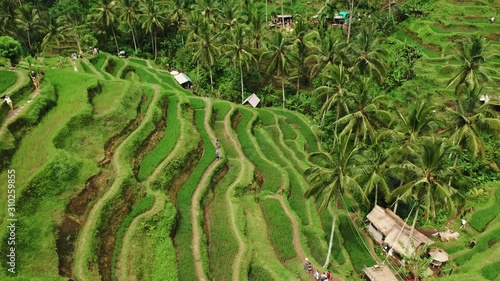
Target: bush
[481,218]
[491,271]
[11,49]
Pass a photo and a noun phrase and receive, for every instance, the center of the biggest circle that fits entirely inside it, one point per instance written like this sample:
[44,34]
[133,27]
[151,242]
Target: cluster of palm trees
[388,153]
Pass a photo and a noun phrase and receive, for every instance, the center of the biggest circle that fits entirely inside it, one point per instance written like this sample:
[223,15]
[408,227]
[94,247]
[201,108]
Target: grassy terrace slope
[116,179]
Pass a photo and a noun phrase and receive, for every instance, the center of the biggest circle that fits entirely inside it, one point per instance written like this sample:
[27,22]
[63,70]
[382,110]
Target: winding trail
[242,159]
[196,198]
[14,113]
[84,242]
[92,68]
[20,81]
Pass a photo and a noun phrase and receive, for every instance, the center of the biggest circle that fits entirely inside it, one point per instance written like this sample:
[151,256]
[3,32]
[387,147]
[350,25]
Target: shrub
[11,49]
[257,273]
[491,271]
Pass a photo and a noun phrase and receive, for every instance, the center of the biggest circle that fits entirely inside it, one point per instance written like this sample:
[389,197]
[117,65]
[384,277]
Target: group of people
[325,276]
[217,150]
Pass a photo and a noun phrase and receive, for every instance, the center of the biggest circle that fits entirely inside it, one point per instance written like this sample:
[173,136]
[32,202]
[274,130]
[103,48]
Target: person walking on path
[9,102]
[464,222]
[217,154]
[472,244]
[316,275]
[217,144]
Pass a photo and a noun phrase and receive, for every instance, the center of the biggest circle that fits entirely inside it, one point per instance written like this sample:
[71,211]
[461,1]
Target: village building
[379,272]
[253,100]
[388,228]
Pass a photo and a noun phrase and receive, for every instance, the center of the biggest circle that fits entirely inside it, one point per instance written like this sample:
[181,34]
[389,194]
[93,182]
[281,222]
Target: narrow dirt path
[240,157]
[14,113]
[84,242]
[73,63]
[196,198]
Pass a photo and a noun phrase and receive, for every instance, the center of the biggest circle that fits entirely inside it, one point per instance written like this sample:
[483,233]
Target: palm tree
[370,55]
[335,91]
[333,174]
[280,58]
[230,16]
[375,168]
[429,171]
[472,53]
[300,43]
[238,52]
[55,33]
[366,114]
[208,9]
[72,26]
[105,13]
[470,119]
[177,15]
[206,47]
[153,17]
[28,20]
[7,16]
[257,29]
[325,51]
[128,13]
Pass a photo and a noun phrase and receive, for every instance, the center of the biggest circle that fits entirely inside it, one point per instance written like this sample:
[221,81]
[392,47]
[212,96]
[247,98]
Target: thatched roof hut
[387,227]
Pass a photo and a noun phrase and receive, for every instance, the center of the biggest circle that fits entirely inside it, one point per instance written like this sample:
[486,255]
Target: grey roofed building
[380,272]
[387,227]
[252,100]
[183,80]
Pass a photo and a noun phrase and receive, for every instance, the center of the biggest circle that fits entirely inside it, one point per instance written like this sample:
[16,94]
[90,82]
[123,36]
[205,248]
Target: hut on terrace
[252,100]
[388,228]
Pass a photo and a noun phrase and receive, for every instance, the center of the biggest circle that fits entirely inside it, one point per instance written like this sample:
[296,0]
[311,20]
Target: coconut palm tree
[128,11]
[28,20]
[230,16]
[105,13]
[428,173]
[334,92]
[470,119]
[369,53]
[333,174]
[55,33]
[472,55]
[208,9]
[300,44]
[153,17]
[238,51]
[374,173]
[366,113]
[279,57]
[206,47]
[7,16]
[257,29]
[325,51]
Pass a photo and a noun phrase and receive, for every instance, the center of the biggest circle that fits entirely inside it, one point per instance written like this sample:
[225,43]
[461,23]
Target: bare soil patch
[430,47]
[235,120]
[65,245]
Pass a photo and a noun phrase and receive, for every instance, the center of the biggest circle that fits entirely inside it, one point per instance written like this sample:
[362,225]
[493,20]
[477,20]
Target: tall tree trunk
[152,42]
[241,79]
[332,232]
[211,79]
[156,46]
[350,21]
[266,11]
[29,38]
[116,42]
[133,37]
[283,88]
[376,194]
[282,18]
[413,227]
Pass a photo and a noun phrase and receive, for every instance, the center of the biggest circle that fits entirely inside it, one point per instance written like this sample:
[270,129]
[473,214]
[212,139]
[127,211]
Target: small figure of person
[329,275]
[464,222]
[217,144]
[492,19]
[217,155]
[472,244]
[8,101]
[323,276]
[316,275]
[34,79]
[309,268]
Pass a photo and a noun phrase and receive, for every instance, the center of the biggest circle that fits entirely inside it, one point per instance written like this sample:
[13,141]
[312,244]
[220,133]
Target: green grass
[486,241]
[311,143]
[183,236]
[144,204]
[272,182]
[280,229]
[221,109]
[111,93]
[146,76]
[481,218]
[353,244]
[118,65]
[258,273]
[492,271]
[166,144]
[98,61]
[7,79]
[138,61]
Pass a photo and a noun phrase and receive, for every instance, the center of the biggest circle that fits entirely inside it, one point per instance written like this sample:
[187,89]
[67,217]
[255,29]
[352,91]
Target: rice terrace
[250,140]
